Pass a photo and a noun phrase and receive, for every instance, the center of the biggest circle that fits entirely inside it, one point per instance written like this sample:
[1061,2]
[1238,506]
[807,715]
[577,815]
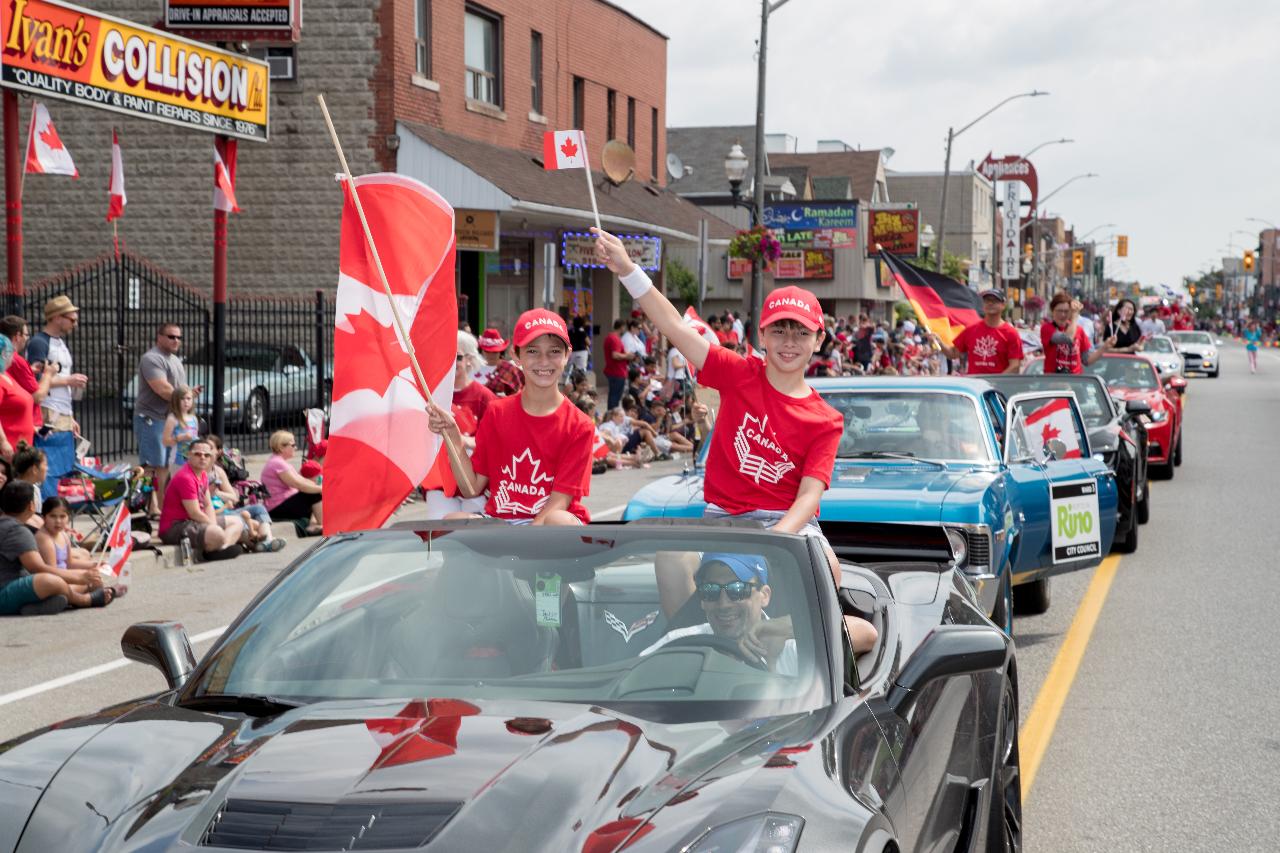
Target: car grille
[269,825]
[1192,358]
[979,542]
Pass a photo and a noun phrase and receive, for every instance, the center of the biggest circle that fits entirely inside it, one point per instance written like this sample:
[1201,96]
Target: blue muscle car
[1012,480]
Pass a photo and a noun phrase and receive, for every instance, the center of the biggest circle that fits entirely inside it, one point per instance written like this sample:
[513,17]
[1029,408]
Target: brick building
[454,93]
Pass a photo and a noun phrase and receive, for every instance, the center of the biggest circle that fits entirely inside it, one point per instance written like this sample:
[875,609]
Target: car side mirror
[163,645]
[949,651]
[1177,383]
[1138,407]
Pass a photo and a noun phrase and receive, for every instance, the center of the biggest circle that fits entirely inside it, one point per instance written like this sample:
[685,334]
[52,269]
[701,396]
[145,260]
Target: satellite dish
[675,166]
[619,161]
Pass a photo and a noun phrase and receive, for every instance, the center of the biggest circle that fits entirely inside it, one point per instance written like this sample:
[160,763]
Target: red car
[1133,377]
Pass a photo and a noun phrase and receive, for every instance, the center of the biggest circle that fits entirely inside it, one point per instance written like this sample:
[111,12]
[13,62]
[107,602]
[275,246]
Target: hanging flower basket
[757,245]
[1033,304]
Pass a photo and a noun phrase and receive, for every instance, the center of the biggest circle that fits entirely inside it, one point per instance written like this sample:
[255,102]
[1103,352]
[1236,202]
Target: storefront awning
[472,174]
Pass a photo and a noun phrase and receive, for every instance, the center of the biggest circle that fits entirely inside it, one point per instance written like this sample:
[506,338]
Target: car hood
[1154,397]
[898,492]
[1198,349]
[568,776]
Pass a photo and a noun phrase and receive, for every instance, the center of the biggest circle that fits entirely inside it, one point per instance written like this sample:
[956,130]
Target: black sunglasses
[174,337]
[737,590]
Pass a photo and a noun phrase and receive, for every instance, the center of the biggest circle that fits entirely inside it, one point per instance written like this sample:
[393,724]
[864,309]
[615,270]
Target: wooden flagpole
[451,445]
[591,186]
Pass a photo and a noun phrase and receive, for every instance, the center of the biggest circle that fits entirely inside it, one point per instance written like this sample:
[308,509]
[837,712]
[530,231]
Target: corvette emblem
[636,627]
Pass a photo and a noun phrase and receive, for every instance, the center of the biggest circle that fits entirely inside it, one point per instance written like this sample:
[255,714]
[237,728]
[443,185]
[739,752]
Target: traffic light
[1026,250]
[1191,288]
[1077,262]
[1248,260]
[1122,246]
[1217,292]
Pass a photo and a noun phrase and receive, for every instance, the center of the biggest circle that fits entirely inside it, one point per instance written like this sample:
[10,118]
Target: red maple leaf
[49,137]
[1050,432]
[568,149]
[366,357]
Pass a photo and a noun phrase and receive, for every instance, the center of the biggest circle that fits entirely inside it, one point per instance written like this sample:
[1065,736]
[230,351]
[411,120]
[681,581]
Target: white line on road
[102,669]
[91,672]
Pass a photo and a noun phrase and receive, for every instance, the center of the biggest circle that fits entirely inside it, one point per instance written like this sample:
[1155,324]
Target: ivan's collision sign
[62,51]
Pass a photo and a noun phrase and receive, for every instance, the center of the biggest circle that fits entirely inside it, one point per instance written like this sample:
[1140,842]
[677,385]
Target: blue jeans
[151,450]
[617,385]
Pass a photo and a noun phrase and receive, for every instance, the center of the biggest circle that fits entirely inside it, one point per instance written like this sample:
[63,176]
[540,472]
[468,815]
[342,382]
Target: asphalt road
[1166,738]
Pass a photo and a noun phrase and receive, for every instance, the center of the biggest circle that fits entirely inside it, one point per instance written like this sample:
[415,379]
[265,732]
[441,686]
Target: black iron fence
[278,350]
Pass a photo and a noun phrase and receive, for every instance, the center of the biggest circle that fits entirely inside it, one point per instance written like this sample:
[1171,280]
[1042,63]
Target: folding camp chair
[97,492]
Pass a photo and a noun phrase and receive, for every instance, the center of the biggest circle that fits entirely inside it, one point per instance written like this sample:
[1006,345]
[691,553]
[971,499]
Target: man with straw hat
[47,350]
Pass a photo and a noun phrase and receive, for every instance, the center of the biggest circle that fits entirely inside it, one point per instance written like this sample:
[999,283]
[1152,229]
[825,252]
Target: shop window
[579,102]
[535,71]
[631,123]
[611,119]
[482,54]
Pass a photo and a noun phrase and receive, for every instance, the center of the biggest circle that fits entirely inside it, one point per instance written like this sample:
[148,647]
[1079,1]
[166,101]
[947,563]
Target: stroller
[251,491]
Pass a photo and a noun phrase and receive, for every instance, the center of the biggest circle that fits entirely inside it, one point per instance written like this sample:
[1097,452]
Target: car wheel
[1143,509]
[1033,598]
[1177,451]
[1004,824]
[255,411]
[1214,375]
[1129,543]
[1002,613]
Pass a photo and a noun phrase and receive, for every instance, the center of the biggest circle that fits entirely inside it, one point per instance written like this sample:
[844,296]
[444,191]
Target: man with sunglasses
[160,370]
[734,590]
[189,514]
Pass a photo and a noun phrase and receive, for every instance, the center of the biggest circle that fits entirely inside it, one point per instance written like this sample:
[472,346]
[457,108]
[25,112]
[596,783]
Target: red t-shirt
[475,398]
[184,485]
[526,457]
[990,350]
[614,366]
[15,411]
[20,369]
[1067,357]
[764,441]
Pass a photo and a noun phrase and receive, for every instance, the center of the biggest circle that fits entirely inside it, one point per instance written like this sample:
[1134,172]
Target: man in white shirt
[734,591]
[1151,324]
[631,340]
[738,328]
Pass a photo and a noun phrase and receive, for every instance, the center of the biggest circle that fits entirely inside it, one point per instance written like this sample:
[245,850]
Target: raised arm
[658,308]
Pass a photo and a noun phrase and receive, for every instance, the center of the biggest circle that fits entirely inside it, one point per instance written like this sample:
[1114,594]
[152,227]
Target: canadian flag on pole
[224,174]
[379,445]
[119,547]
[1053,422]
[564,149]
[116,203]
[45,152]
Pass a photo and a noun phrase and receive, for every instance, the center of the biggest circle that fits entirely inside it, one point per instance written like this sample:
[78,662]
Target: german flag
[943,305]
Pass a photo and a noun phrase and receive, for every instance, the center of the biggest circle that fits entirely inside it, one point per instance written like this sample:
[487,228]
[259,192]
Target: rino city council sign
[58,50]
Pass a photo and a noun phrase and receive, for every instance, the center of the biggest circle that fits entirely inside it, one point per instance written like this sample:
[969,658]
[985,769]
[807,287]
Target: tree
[682,283]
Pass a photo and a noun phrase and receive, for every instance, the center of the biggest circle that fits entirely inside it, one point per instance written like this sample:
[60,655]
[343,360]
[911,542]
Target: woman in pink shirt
[290,495]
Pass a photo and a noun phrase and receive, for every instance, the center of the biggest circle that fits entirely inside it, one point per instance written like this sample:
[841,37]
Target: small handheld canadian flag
[115,206]
[116,569]
[45,152]
[224,175]
[567,149]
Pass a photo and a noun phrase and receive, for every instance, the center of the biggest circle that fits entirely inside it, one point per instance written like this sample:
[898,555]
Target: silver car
[1162,353]
[261,380]
[1199,351]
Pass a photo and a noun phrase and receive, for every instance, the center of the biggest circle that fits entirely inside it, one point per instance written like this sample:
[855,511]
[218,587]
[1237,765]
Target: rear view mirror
[163,645]
[948,651]
[1138,407]
[1177,383]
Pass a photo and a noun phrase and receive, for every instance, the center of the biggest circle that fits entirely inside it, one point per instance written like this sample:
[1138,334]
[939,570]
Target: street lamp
[946,167]
[735,169]
[1099,228]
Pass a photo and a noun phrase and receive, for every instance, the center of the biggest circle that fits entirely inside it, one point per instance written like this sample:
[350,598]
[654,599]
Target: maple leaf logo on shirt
[568,149]
[770,464]
[521,491]
[986,347]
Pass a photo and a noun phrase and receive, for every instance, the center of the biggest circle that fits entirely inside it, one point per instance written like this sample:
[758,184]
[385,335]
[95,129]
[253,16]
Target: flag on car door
[1054,422]
[564,149]
[46,155]
[379,445]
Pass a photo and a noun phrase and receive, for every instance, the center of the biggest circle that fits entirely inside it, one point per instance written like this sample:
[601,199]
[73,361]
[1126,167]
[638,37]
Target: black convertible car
[1116,431]
[482,688]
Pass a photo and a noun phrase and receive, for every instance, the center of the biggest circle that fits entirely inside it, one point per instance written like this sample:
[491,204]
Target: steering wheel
[723,645]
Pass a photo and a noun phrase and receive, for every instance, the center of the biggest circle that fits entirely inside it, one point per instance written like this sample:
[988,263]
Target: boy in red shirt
[992,344]
[774,446]
[532,449]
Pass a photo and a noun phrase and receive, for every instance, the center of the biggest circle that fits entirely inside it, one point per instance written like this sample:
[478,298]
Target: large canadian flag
[379,445]
[224,174]
[45,152]
[1054,421]
[564,149]
[117,200]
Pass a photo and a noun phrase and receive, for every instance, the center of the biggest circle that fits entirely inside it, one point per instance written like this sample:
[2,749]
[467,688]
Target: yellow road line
[1037,731]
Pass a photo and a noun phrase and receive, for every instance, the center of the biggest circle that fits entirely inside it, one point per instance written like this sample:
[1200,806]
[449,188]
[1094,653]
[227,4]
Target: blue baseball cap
[746,567]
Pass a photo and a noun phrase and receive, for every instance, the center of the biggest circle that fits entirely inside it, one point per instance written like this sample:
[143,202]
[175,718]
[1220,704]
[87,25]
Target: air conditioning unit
[281,61]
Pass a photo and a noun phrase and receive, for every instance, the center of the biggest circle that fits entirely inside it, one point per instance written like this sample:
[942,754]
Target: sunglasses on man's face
[736,590]
[174,337]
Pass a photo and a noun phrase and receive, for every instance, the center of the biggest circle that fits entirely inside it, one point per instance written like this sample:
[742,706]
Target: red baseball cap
[491,341]
[537,322]
[792,303]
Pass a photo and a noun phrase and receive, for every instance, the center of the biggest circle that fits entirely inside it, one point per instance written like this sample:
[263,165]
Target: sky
[1175,105]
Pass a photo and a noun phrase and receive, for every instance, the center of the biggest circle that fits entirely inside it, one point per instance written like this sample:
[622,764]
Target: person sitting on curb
[29,586]
[291,496]
[188,510]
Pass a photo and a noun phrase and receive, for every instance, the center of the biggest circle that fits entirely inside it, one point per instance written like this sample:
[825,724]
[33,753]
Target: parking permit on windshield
[546,600]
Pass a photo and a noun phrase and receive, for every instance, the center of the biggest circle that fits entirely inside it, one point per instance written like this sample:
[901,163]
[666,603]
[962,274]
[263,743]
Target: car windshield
[1090,395]
[242,356]
[1125,372]
[1201,338]
[1158,345]
[927,425]
[538,614]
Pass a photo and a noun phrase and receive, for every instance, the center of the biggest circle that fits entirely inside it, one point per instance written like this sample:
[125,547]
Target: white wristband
[637,282]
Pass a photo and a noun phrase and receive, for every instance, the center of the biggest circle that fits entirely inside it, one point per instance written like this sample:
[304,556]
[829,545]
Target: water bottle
[186,556]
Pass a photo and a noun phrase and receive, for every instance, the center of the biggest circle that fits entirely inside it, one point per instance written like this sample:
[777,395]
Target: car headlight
[959,546]
[1210,353]
[770,832]
[1159,416]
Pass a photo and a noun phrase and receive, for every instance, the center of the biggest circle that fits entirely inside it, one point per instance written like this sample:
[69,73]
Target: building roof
[798,175]
[860,167]
[641,21]
[841,187]
[521,176]
[703,149]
